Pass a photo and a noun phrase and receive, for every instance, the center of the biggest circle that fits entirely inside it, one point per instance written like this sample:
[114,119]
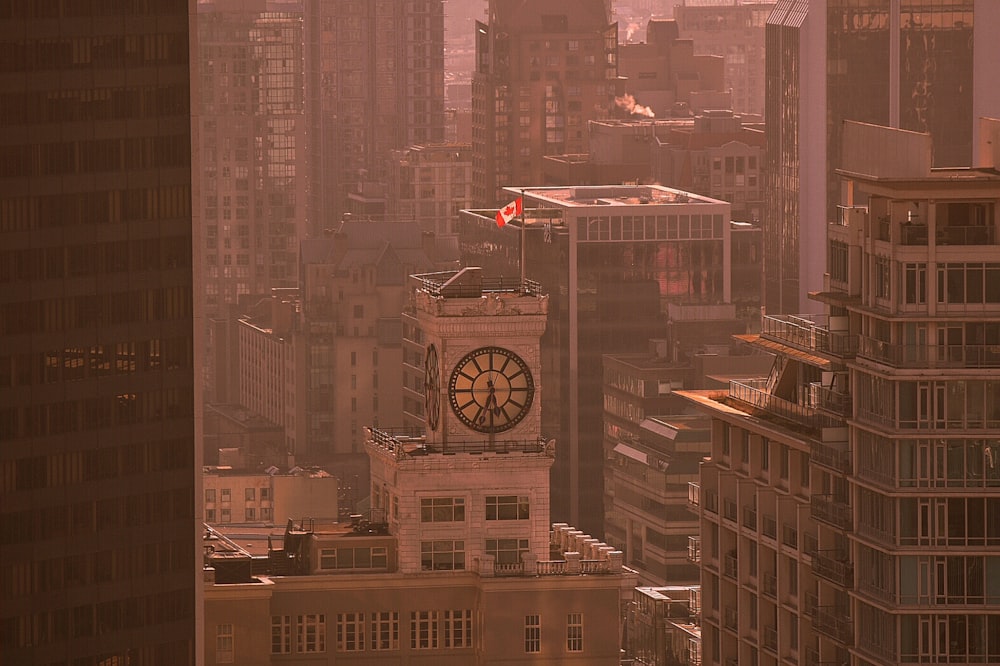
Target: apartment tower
[543,70]
[849,510]
[97,466]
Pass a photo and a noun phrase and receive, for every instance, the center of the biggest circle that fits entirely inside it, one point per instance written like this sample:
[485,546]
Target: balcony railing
[770,585]
[730,565]
[831,511]
[809,332]
[835,622]
[769,526]
[694,549]
[830,456]
[829,399]
[753,393]
[729,509]
[965,235]
[731,618]
[770,638]
[789,536]
[749,518]
[813,659]
[834,566]
[922,356]
[694,494]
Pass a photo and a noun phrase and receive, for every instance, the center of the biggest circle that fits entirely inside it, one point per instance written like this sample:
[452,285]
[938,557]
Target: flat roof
[589,196]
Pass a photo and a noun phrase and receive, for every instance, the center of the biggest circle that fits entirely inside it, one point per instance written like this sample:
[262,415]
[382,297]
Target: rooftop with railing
[403,443]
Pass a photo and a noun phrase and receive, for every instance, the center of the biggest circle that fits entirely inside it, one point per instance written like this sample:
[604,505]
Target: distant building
[268,497]
[612,259]
[542,71]
[456,562]
[430,184]
[733,30]
[663,78]
[665,626]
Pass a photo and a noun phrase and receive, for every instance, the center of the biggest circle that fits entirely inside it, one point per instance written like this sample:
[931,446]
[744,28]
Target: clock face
[491,389]
[432,388]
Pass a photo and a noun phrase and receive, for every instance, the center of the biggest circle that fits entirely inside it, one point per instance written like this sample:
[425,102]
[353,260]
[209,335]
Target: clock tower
[482,359]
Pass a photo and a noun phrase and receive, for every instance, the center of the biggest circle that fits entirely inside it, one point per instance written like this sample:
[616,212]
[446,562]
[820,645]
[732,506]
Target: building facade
[612,259]
[268,497]
[734,31]
[97,396]
[539,77]
[919,66]
[456,562]
[848,508]
[429,185]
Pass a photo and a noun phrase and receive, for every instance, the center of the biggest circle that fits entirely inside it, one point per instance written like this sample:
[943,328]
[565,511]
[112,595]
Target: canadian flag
[510,211]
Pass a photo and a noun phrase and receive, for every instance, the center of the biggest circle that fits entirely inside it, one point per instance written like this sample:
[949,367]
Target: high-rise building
[612,259]
[849,509]
[542,71]
[97,457]
[914,64]
[375,72]
[429,185]
[733,30]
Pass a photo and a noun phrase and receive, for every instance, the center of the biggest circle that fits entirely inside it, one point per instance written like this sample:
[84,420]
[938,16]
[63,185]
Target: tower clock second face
[491,389]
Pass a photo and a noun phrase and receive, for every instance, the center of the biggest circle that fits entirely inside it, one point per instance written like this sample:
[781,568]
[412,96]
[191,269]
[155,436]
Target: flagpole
[523,252]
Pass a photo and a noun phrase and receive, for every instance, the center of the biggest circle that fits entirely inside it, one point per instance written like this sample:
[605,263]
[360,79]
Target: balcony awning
[785,350]
[634,454]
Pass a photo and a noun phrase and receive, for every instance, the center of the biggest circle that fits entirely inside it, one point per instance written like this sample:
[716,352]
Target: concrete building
[663,77]
[456,563]
[925,67]
[430,184]
[715,154]
[97,393]
[664,627]
[848,508]
[613,259]
[733,30]
[542,72]
[268,497]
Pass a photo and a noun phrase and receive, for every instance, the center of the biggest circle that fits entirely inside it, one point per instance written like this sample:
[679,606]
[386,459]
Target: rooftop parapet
[404,443]
[467,291]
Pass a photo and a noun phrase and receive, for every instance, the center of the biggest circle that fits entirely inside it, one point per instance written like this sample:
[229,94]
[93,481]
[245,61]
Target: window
[224,644]
[507,507]
[210,494]
[442,555]
[250,514]
[350,632]
[361,557]
[574,632]
[765,454]
[209,515]
[458,628]
[226,516]
[881,277]
[281,634]
[915,284]
[250,494]
[226,494]
[783,454]
[507,551]
[385,630]
[423,630]
[442,509]
[265,493]
[312,633]
[532,633]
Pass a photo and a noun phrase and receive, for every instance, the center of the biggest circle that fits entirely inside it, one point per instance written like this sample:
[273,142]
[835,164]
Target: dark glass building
[97,468]
[611,259]
[910,64]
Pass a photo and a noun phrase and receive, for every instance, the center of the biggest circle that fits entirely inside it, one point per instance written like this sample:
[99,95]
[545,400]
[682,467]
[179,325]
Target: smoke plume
[628,103]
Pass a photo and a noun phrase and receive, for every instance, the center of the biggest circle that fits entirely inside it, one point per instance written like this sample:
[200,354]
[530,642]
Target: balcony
[694,549]
[749,518]
[694,495]
[730,566]
[965,235]
[834,622]
[813,659]
[809,333]
[770,638]
[770,585]
[831,511]
[922,356]
[831,456]
[769,526]
[753,392]
[790,536]
[729,510]
[731,618]
[833,565]
[830,400]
